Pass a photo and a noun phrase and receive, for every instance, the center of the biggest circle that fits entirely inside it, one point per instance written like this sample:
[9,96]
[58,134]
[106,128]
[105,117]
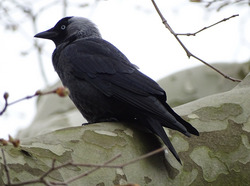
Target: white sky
[136,29]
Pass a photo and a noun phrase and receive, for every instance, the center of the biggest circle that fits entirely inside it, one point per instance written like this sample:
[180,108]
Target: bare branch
[125,164]
[50,170]
[5,96]
[144,156]
[42,179]
[221,4]
[94,169]
[189,54]
[61,91]
[6,168]
[194,34]
[32,16]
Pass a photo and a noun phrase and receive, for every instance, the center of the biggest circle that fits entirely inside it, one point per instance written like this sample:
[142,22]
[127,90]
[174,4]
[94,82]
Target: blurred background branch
[26,11]
[220,4]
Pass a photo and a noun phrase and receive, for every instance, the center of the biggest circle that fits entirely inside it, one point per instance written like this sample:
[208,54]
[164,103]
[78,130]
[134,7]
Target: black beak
[48,34]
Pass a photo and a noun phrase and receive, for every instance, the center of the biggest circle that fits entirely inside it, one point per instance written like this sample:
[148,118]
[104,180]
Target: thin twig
[194,34]
[125,164]
[92,170]
[61,91]
[221,4]
[94,166]
[144,156]
[5,96]
[29,97]
[117,166]
[53,168]
[189,54]
[33,18]
[6,168]
[50,170]
[27,183]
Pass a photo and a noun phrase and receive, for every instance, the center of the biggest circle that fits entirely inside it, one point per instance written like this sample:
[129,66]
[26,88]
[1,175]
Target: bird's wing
[106,68]
[96,59]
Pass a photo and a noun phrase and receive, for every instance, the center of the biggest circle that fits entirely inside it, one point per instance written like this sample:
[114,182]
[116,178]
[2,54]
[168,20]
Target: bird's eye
[63,27]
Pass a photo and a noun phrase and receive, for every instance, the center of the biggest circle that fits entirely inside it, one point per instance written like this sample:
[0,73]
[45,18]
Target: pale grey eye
[63,27]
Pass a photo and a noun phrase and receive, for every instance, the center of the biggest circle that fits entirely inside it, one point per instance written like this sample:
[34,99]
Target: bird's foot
[101,120]
[86,123]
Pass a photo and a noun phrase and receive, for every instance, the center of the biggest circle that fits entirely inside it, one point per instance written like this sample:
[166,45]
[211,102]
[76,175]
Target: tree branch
[6,168]
[61,91]
[5,96]
[194,34]
[95,167]
[92,170]
[189,54]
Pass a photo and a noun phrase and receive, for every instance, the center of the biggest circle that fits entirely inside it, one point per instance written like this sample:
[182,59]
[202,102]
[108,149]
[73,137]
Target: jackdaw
[105,86]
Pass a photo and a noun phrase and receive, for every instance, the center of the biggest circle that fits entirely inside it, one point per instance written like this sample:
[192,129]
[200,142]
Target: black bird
[104,85]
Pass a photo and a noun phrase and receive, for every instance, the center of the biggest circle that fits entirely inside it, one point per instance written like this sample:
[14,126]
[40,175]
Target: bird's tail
[187,125]
[156,127]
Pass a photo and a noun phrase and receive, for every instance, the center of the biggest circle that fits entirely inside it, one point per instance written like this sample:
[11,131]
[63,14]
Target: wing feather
[110,72]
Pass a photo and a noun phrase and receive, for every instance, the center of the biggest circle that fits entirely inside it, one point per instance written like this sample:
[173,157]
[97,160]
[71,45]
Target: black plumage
[104,85]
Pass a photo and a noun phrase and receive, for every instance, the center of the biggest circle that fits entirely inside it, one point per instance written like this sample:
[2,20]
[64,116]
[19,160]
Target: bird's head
[69,27]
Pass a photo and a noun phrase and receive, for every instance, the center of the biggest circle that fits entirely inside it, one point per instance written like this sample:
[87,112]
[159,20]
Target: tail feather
[187,125]
[158,130]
